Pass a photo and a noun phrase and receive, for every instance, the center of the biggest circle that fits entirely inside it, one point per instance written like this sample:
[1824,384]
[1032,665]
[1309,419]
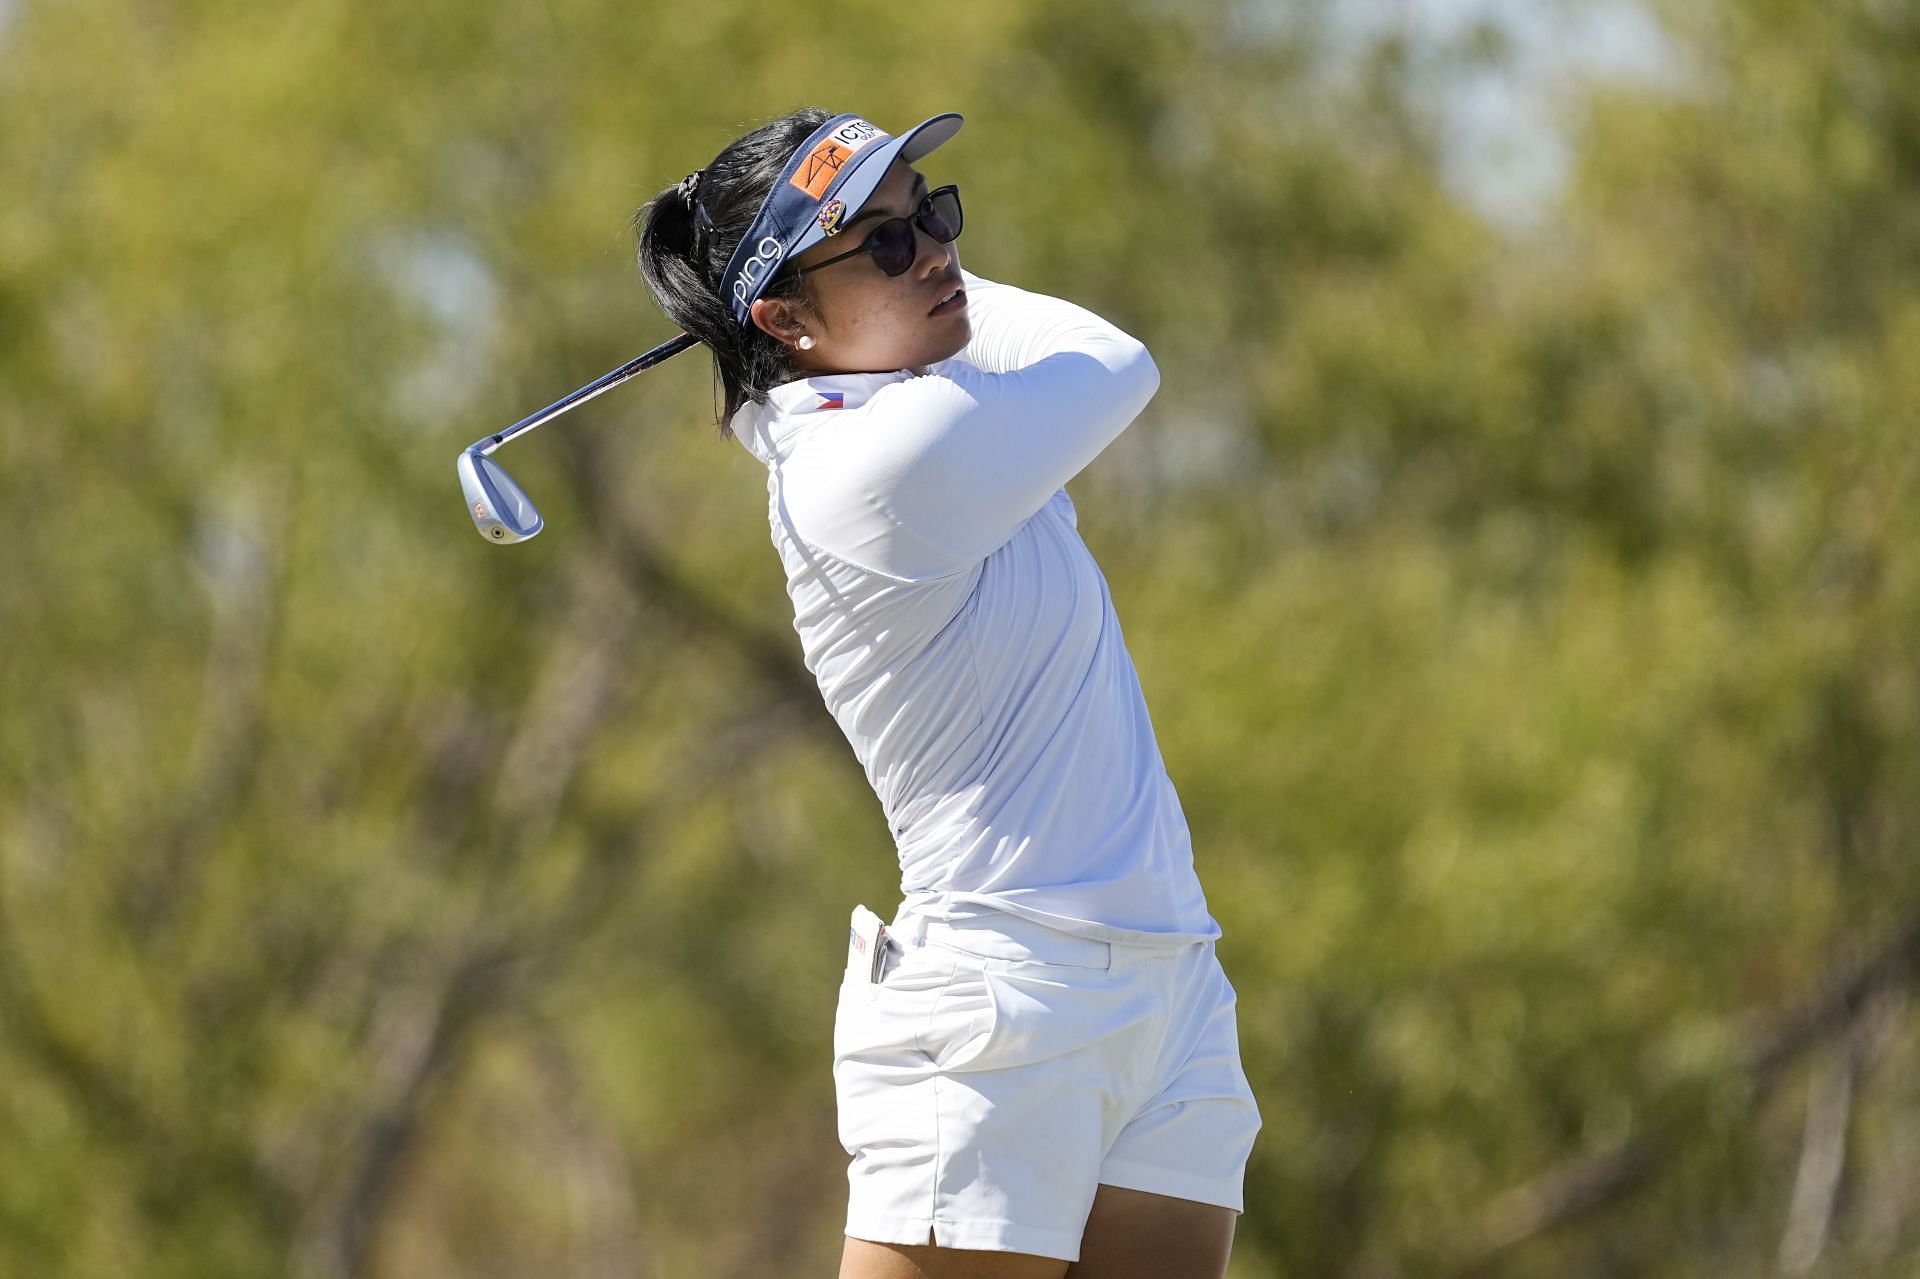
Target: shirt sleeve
[936,472]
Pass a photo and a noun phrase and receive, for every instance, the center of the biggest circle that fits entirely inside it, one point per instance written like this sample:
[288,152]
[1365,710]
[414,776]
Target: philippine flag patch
[831,400]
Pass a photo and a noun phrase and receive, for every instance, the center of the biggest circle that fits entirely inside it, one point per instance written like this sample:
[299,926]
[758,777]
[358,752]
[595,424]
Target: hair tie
[689,188]
[689,192]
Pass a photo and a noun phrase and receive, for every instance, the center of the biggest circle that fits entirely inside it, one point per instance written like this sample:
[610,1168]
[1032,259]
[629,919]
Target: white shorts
[1000,1071]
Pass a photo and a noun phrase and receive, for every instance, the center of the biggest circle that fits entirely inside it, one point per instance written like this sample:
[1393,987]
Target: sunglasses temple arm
[606,382]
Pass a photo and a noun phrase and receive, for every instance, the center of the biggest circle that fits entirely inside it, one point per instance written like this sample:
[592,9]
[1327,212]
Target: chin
[954,343]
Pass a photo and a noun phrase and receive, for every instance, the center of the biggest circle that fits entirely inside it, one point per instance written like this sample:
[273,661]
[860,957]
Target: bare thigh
[1135,1235]
[1130,1234]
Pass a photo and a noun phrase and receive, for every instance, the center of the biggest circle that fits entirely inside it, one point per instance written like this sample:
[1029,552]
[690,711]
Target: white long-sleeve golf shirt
[960,631]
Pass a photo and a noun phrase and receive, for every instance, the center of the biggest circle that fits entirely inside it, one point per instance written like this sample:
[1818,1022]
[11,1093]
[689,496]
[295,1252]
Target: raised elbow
[1138,373]
[1149,372]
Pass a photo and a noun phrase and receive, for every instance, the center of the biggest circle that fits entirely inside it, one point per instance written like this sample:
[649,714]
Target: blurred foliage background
[1519,560]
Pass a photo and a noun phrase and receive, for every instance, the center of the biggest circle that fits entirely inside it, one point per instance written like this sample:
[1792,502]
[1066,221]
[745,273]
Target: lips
[953,299]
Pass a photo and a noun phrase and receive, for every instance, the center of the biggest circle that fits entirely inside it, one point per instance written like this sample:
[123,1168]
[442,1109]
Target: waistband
[952,906]
[1000,935]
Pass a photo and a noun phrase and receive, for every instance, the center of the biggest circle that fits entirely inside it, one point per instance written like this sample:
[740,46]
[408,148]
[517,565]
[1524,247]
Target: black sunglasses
[893,244]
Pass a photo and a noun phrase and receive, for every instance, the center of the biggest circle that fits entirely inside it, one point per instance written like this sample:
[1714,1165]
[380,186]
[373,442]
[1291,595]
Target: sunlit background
[1519,559]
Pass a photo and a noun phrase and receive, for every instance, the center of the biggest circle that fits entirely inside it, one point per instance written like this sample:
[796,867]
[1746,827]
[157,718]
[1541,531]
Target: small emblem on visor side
[830,214]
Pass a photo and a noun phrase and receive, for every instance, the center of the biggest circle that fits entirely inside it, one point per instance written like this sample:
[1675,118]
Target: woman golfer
[1035,1061]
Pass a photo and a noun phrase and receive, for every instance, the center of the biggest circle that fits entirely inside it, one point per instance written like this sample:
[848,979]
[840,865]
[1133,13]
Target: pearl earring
[806,342]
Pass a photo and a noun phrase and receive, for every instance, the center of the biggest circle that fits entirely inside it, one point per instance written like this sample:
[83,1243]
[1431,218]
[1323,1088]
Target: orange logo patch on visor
[823,164]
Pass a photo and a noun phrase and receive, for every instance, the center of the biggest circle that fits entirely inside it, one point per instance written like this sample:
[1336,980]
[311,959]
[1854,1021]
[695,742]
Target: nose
[930,264]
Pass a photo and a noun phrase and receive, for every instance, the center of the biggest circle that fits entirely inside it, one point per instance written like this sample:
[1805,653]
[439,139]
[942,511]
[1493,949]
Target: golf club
[500,508]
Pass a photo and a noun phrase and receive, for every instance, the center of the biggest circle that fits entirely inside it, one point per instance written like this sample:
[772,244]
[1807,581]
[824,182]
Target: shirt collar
[767,430]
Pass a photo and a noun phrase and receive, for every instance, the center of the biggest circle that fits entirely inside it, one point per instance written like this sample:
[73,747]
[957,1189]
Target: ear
[778,317]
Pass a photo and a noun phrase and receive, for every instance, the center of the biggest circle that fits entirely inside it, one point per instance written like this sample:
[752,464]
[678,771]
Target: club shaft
[639,364]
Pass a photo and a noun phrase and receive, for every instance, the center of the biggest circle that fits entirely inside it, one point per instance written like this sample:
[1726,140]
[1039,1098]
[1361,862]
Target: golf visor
[827,180]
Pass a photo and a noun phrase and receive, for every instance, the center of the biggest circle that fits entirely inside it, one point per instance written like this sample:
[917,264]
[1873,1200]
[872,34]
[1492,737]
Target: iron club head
[500,508]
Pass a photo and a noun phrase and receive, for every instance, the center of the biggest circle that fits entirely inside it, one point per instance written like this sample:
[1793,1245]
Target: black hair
[682,255]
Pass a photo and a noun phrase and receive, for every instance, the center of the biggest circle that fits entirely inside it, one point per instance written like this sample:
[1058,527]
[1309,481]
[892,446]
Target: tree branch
[241,570]
[1823,1159]
[430,1033]
[658,583]
[1582,1186]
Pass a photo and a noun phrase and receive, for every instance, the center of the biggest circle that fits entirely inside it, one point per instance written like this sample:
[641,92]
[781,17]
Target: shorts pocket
[884,1022]
[960,1026]
[1039,1011]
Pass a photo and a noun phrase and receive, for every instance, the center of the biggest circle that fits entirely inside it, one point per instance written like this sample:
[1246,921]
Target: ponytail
[685,236]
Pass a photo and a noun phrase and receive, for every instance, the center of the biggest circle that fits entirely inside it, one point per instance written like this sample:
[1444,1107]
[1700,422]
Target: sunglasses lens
[893,246]
[941,215]
[894,243]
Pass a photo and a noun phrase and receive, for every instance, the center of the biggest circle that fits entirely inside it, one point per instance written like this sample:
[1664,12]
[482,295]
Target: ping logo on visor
[829,155]
[759,265]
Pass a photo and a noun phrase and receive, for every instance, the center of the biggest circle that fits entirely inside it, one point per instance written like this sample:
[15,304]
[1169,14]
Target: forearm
[1014,328]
